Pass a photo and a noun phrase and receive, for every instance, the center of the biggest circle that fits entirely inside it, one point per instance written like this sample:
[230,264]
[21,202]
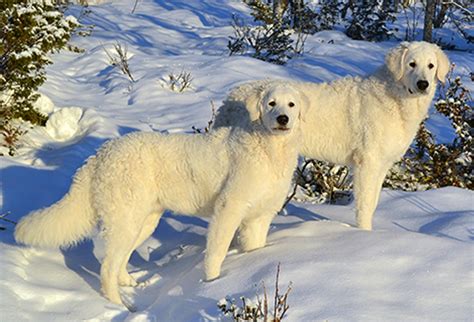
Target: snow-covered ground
[416,265]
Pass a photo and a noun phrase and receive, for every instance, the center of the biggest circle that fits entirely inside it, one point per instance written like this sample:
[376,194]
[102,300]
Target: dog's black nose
[282,119]
[422,85]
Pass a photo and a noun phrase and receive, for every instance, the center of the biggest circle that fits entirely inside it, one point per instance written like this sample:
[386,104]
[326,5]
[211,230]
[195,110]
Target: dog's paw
[210,279]
[132,308]
[127,302]
[212,275]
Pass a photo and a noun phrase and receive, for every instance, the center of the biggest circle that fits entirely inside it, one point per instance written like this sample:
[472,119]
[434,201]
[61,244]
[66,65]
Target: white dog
[239,179]
[367,123]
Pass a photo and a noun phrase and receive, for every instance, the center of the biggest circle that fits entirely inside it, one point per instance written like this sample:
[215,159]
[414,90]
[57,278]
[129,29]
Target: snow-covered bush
[320,181]
[258,310]
[328,14]
[267,42]
[369,21]
[261,10]
[429,164]
[460,17]
[272,38]
[30,30]
[305,19]
[247,311]
[363,20]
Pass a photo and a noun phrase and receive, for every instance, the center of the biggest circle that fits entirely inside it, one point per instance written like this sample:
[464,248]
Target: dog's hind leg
[149,225]
[253,232]
[119,242]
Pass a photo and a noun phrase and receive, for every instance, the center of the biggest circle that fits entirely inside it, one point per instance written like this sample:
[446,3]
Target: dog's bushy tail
[65,223]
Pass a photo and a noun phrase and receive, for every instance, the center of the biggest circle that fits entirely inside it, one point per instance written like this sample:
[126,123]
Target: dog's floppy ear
[253,103]
[443,64]
[395,60]
[304,105]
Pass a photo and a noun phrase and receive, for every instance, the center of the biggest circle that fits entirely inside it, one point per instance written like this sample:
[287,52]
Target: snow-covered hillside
[417,265]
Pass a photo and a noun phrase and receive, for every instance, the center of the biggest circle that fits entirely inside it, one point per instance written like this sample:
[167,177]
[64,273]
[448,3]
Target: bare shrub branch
[3,218]
[180,82]
[119,58]
[11,135]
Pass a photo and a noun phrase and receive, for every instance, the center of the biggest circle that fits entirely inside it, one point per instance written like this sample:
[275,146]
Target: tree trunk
[438,22]
[428,26]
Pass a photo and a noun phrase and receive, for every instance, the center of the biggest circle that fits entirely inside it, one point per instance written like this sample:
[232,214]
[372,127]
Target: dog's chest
[282,164]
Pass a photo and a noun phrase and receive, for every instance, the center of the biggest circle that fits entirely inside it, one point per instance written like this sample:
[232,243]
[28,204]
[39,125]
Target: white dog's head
[418,66]
[280,108]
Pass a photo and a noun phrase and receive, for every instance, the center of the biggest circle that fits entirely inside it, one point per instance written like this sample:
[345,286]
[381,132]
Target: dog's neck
[276,145]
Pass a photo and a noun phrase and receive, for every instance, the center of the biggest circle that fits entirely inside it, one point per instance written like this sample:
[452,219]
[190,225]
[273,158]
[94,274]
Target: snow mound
[44,105]
[64,123]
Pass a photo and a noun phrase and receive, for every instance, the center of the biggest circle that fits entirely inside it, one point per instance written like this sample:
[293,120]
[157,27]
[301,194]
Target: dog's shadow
[82,258]
[26,188]
[303,213]
[299,212]
[172,241]
[82,261]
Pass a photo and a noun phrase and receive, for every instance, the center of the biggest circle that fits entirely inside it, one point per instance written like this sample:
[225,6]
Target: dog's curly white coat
[367,123]
[239,179]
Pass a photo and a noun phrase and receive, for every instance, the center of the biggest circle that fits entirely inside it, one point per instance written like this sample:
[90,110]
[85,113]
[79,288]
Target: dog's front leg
[368,178]
[227,217]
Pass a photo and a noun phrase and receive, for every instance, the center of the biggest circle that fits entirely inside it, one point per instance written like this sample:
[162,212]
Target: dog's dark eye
[430,66]
[291,104]
[412,64]
[272,103]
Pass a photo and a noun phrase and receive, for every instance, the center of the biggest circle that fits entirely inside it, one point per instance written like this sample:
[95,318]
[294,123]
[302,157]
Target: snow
[44,105]
[416,265]
[64,123]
